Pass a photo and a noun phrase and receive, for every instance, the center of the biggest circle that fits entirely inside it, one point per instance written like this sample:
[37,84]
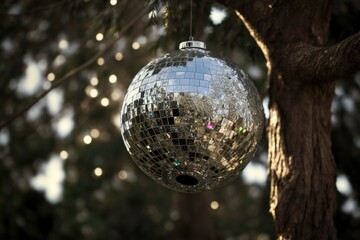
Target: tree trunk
[302,170]
[192,217]
[301,75]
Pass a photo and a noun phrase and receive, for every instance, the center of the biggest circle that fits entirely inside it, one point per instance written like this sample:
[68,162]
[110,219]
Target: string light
[113,2]
[112,78]
[64,155]
[99,37]
[119,56]
[116,95]
[63,44]
[50,77]
[214,205]
[122,174]
[100,61]
[87,139]
[93,93]
[135,45]
[94,81]
[95,133]
[104,102]
[98,172]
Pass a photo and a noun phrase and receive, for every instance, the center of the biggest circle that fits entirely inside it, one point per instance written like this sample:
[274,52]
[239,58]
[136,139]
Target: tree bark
[301,71]
[301,166]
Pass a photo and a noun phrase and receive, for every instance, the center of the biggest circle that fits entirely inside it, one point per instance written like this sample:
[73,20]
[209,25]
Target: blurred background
[64,170]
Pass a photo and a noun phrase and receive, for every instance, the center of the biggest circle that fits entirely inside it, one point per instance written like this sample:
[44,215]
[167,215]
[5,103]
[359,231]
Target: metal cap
[192,44]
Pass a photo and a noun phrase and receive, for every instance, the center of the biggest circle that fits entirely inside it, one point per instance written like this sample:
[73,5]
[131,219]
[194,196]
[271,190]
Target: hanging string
[191,37]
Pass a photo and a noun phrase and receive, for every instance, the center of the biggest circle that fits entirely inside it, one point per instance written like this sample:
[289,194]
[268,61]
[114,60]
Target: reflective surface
[191,121]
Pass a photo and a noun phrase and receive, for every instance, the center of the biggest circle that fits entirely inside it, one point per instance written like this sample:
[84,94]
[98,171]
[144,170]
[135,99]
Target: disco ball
[191,120]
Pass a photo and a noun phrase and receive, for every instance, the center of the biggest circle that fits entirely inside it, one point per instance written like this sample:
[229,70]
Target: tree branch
[328,63]
[255,16]
[76,70]
[251,10]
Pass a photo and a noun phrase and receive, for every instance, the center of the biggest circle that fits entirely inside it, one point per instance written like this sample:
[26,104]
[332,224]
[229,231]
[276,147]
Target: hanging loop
[191,37]
[192,44]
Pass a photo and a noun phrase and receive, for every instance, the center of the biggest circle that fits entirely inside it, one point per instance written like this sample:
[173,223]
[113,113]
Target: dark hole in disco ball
[191,120]
[186,180]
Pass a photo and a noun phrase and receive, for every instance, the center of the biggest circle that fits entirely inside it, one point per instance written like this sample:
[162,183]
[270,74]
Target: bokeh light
[94,133]
[112,78]
[214,205]
[94,81]
[98,172]
[104,102]
[135,45]
[119,56]
[93,93]
[122,174]
[100,61]
[50,76]
[63,44]
[99,37]
[64,154]
[87,139]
